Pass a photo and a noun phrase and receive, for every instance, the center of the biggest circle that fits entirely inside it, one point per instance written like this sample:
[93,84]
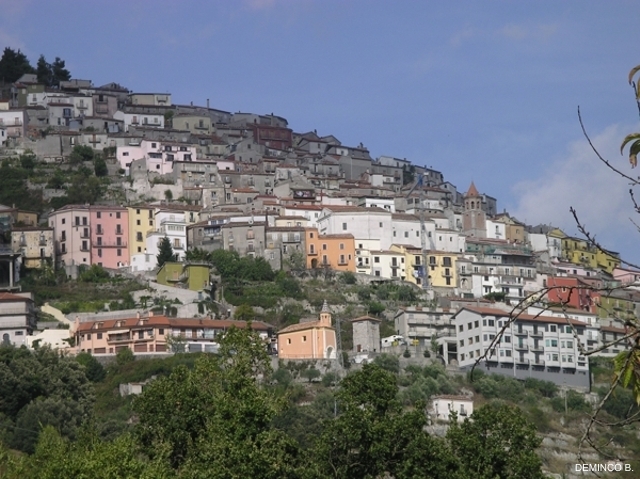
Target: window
[507,339]
[344,226]
[552,328]
[476,324]
[341,245]
[376,259]
[508,353]
[460,328]
[491,322]
[461,342]
[471,340]
[469,326]
[98,214]
[324,246]
[304,339]
[99,335]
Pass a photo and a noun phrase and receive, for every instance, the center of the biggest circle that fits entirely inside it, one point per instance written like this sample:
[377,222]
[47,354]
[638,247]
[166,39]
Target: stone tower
[474,219]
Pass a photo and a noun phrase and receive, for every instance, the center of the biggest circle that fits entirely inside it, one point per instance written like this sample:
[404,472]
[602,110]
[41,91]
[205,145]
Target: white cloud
[600,196]
[462,36]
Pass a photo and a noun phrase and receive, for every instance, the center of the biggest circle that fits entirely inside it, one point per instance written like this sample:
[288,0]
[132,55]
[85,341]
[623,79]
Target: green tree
[496,442]
[28,160]
[165,253]
[80,154]
[40,387]
[124,356]
[56,457]
[13,65]
[168,195]
[244,312]
[84,189]
[94,371]
[216,420]
[43,71]
[296,261]
[310,374]
[100,166]
[59,72]
[373,437]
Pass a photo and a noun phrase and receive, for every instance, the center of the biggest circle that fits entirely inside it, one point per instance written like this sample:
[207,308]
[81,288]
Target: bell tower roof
[473,191]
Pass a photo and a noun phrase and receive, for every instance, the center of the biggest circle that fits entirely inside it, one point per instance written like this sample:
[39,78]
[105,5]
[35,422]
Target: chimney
[138,315]
[207,103]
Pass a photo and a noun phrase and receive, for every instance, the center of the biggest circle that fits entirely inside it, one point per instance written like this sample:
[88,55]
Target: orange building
[309,339]
[337,252]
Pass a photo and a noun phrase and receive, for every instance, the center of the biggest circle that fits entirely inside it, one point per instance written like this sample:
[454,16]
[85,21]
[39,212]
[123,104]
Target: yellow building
[514,230]
[412,262]
[309,339]
[578,251]
[607,260]
[442,267]
[141,221]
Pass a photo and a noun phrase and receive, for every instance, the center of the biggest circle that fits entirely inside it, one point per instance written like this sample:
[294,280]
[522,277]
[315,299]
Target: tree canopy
[13,65]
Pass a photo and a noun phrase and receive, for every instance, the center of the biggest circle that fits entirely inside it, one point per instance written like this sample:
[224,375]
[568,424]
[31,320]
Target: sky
[481,91]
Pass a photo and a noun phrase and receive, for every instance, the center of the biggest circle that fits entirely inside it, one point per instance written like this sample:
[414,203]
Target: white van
[395,340]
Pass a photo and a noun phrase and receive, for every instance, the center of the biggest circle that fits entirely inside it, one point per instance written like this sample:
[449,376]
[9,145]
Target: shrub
[348,278]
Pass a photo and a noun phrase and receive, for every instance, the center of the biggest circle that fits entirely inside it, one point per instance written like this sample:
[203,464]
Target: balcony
[537,347]
[111,244]
[538,362]
[291,239]
[536,334]
[118,337]
[521,332]
[119,232]
[522,347]
[99,231]
[522,361]
[82,106]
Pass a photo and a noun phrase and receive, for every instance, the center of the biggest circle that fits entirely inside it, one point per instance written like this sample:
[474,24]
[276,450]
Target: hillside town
[203,179]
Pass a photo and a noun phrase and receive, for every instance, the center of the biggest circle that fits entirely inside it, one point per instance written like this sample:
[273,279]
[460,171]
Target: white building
[139,119]
[443,406]
[362,223]
[17,318]
[539,347]
[170,224]
[159,155]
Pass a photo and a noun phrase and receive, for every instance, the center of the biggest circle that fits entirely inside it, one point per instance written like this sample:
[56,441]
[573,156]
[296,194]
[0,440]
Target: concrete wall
[580,380]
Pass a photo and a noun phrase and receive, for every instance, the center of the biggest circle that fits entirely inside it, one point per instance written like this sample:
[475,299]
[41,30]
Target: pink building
[109,236]
[159,155]
[71,234]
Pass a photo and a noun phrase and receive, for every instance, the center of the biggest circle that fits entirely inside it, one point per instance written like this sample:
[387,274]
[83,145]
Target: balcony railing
[111,244]
[522,347]
[118,338]
[538,362]
[536,334]
[522,361]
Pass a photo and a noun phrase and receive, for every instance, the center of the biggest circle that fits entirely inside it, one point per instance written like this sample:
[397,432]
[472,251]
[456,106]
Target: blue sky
[483,91]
